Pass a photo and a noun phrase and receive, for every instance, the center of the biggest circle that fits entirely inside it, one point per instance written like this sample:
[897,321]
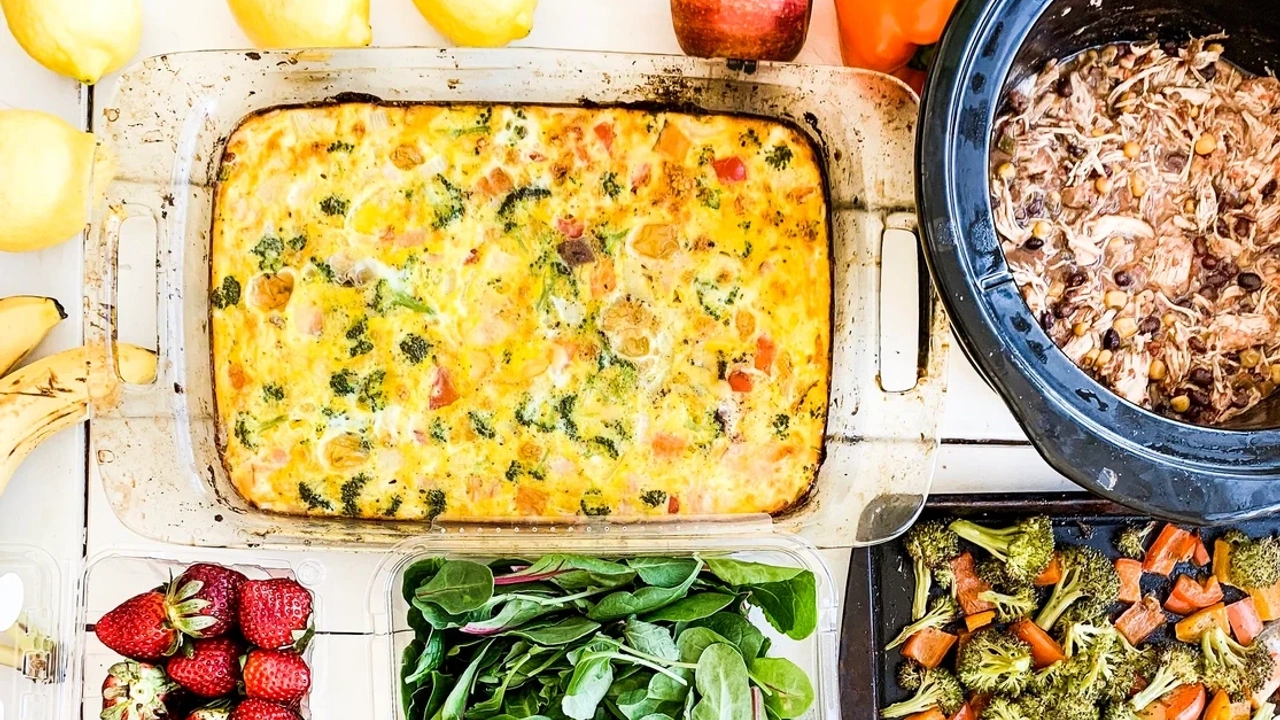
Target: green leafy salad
[576,637]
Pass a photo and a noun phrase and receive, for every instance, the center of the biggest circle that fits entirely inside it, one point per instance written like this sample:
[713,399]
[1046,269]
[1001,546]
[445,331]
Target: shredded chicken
[1134,188]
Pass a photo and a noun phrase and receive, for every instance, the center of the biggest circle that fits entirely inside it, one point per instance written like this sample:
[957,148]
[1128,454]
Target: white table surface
[49,503]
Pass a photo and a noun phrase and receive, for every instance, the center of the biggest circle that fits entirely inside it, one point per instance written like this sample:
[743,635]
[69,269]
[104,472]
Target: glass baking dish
[168,122]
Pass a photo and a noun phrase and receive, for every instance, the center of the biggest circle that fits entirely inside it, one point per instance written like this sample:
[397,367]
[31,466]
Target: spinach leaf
[496,701]
[790,693]
[618,605]
[737,630]
[408,663]
[460,586]
[657,716]
[558,632]
[455,705]
[431,657]
[694,641]
[437,618]
[693,607]
[791,607]
[592,677]
[636,704]
[429,697]
[650,639]
[663,572]
[723,684]
[514,613]
[417,574]
[740,572]
[665,688]
[571,572]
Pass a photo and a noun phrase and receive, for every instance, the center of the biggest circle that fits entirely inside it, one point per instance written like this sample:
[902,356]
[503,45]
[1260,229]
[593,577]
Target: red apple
[742,29]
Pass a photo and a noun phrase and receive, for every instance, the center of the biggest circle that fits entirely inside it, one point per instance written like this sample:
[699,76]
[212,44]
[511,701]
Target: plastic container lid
[33,642]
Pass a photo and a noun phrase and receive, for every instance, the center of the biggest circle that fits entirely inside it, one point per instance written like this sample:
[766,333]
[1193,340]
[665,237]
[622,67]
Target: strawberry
[140,628]
[252,709]
[277,675]
[274,614]
[136,691]
[219,710]
[206,600]
[208,667]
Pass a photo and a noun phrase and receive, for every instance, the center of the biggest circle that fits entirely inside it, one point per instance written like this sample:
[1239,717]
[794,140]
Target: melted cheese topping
[519,311]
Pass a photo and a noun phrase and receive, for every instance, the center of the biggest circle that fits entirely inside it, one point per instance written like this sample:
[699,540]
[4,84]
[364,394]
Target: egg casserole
[497,311]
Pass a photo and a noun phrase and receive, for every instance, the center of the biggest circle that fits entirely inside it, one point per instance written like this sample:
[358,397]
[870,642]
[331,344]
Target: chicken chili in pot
[1134,191]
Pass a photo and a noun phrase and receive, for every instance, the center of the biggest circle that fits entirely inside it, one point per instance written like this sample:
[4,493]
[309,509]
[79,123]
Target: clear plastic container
[112,578]
[168,121]
[35,646]
[816,655]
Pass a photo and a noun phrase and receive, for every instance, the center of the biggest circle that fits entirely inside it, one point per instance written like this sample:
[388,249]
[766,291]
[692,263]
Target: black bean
[1209,262]
[1149,325]
[1233,199]
[1241,400]
[1201,245]
[1034,243]
[1170,48]
[1175,162]
[1111,339]
[1063,87]
[1046,320]
[1223,229]
[1201,376]
[1064,310]
[1218,279]
[1076,151]
[1269,189]
[1209,72]
[1077,278]
[1249,281]
[1242,226]
[1209,292]
[1196,344]
[1199,398]
[1123,278]
[1228,266]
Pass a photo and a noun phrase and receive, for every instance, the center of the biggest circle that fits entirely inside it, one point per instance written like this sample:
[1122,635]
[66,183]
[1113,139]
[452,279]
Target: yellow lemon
[479,23]
[46,167]
[304,23]
[82,39]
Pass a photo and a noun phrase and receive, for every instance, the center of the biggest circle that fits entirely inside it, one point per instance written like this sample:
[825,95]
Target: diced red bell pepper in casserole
[1189,596]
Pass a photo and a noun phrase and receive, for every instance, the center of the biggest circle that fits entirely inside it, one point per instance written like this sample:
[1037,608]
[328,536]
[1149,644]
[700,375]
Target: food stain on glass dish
[1134,191]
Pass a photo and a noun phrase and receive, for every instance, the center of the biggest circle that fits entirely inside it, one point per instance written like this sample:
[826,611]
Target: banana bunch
[51,394]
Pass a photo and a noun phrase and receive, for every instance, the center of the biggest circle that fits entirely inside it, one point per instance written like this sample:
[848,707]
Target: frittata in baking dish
[495,311]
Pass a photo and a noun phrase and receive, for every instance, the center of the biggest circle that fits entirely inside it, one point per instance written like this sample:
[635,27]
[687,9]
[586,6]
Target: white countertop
[50,504]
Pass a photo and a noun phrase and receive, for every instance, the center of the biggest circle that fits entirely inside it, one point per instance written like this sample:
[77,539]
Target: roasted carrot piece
[930,714]
[965,713]
[929,647]
[1140,620]
[1190,628]
[1266,601]
[1200,555]
[1219,707]
[1045,651]
[1245,623]
[976,622]
[968,586]
[1168,550]
[1222,562]
[1130,572]
[1188,595]
[1050,575]
[1185,703]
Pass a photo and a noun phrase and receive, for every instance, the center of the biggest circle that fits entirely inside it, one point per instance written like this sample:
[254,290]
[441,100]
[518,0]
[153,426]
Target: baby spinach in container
[570,636]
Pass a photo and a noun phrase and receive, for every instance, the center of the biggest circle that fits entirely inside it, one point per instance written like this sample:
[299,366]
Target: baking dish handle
[108,392]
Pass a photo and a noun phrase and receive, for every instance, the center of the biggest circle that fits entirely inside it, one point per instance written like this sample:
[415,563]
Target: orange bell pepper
[968,586]
[1219,707]
[1190,628]
[884,35]
[1130,572]
[1185,703]
[1051,574]
[965,713]
[929,647]
[1245,623]
[1045,651]
[1174,545]
[1267,602]
[1222,562]
[1141,620]
[977,621]
[930,714]
[1200,554]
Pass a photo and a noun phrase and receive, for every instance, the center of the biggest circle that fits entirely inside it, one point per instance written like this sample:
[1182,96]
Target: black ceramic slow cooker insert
[1111,447]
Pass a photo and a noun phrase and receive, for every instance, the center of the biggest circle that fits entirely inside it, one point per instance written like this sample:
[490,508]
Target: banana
[52,394]
[24,321]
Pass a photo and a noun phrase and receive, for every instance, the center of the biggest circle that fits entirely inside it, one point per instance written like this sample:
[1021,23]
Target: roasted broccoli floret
[911,675]
[994,661]
[1003,708]
[1086,575]
[931,546]
[1254,563]
[938,688]
[942,612]
[1231,667]
[1012,607]
[1132,540]
[1026,548]
[1100,664]
[1167,668]
[1059,703]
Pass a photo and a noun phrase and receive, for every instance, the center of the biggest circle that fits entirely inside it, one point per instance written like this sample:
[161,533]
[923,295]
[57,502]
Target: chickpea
[1132,150]
[1116,299]
[1103,184]
[1126,326]
[1158,370]
[1137,186]
[1180,404]
[1104,358]
[1080,328]
[1206,144]
[1006,171]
